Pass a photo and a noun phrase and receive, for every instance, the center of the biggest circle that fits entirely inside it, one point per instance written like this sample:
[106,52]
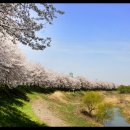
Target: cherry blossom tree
[35,74]
[85,83]
[11,62]
[17,21]
[15,70]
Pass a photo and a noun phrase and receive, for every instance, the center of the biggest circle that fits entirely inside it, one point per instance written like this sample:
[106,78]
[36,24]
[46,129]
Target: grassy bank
[68,106]
[15,109]
[16,106]
[121,100]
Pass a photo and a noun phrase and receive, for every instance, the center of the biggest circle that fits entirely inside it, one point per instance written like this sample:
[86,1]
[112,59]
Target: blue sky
[91,40]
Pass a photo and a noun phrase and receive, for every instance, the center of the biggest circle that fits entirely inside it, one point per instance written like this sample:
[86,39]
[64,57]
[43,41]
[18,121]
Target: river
[117,120]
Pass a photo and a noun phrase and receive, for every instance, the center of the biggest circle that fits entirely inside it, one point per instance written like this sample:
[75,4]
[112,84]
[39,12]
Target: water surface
[117,120]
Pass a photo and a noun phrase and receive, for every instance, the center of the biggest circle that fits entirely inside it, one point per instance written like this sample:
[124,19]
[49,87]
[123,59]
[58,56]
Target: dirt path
[41,109]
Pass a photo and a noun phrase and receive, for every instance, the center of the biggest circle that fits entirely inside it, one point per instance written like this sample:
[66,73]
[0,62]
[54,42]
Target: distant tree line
[15,70]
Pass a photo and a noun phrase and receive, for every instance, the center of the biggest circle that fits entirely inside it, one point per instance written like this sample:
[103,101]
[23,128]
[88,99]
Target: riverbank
[37,107]
[119,100]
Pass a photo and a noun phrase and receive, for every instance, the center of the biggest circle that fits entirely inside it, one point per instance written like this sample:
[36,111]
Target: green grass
[16,111]
[27,108]
[16,107]
[70,111]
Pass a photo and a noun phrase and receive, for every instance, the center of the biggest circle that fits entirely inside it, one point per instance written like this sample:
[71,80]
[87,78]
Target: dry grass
[74,100]
[119,100]
[68,105]
[57,95]
[112,99]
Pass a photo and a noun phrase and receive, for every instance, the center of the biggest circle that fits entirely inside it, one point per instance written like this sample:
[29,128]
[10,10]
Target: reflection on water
[118,119]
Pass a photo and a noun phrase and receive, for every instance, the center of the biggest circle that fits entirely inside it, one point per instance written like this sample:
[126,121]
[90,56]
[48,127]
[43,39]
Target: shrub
[104,112]
[123,89]
[91,100]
